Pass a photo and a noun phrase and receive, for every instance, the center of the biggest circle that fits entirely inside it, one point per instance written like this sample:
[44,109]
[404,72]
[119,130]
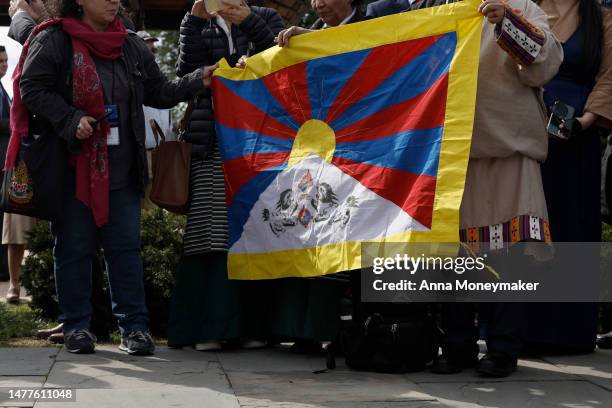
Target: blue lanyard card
[113,121]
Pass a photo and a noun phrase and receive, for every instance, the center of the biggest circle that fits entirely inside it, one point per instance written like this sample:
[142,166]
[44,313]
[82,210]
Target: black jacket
[21,26]
[383,8]
[387,7]
[357,17]
[203,42]
[5,131]
[46,89]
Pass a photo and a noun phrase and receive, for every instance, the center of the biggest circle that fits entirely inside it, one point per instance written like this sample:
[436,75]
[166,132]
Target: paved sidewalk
[275,378]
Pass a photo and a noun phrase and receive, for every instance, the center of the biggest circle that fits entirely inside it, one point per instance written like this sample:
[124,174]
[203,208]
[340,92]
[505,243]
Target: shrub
[162,237]
[162,246]
[607,233]
[18,321]
[37,273]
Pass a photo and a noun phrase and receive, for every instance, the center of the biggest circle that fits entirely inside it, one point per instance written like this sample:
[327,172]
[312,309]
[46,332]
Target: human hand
[207,75]
[493,10]
[242,62]
[587,120]
[233,13]
[574,126]
[17,5]
[199,10]
[84,129]
[282,39]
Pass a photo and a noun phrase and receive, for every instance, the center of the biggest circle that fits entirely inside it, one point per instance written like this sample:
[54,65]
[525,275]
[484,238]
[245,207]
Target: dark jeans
[503,321]
[76,238]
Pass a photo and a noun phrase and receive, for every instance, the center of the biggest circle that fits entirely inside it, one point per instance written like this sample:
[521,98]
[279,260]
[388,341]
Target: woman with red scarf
[75,70]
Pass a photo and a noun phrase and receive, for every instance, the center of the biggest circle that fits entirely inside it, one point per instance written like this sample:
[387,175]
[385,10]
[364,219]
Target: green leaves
[162,247]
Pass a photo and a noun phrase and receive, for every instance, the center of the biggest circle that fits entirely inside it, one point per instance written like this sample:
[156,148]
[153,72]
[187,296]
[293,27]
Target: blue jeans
[76,240]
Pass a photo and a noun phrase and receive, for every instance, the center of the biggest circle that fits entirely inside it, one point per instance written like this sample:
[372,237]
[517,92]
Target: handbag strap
[157,132]
[184,122]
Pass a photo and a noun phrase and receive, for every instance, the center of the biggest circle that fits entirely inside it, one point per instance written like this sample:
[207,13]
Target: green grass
[607,233]
[18,322]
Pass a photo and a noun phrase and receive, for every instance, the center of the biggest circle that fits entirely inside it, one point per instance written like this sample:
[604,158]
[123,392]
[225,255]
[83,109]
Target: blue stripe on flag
[235,143]
[240,210]
[415,151]
[411,80]
[327,76]
[255,92]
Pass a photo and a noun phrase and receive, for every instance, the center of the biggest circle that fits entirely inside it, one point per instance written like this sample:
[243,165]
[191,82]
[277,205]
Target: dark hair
[69,8]
[2,48]
[64,8]
[591,28]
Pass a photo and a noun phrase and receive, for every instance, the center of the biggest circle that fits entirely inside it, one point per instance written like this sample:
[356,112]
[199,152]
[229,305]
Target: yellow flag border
[462,18]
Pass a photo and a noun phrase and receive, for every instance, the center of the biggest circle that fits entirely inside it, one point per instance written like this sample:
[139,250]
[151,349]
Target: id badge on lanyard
[113,121]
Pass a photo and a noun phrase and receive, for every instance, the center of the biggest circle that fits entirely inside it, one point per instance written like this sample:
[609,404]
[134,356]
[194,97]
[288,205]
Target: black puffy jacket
[46,90]
[203,42]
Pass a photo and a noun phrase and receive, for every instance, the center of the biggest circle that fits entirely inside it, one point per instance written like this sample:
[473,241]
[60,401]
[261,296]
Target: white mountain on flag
[314,203]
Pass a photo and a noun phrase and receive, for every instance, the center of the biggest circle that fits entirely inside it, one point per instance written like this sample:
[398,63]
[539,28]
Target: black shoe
[496,365]
[137,343]
[445,365]
[303,346]
[80,341]
[605,342]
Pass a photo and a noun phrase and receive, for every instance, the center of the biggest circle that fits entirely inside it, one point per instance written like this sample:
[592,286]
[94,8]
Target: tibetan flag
[352,134]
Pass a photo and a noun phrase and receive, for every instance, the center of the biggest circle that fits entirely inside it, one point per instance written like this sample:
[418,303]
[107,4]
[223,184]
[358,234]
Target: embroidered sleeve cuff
[519,38]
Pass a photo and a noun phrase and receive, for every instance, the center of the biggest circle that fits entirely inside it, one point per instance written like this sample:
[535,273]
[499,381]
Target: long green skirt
[306,309]
[206,305]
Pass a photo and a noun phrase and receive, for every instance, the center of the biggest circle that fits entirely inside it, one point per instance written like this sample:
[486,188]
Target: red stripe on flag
[290,88]
[234,112]
[381,63]
[413,193]
[425,111]
[241,170]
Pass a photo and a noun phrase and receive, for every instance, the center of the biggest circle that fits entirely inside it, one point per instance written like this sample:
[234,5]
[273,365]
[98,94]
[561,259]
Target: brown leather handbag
[171,163]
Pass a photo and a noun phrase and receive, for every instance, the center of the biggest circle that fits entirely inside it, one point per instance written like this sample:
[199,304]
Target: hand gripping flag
[352,134]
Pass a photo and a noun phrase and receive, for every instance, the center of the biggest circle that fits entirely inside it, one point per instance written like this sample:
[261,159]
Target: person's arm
[21,26]
[598,109]
[159,92]
[193,47]
[40,79]
[527,38]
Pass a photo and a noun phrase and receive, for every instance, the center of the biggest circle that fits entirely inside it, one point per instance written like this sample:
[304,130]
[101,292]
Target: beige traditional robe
[509,138]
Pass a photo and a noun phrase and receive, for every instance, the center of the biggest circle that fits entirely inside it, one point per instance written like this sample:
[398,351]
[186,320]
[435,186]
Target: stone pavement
[275,378]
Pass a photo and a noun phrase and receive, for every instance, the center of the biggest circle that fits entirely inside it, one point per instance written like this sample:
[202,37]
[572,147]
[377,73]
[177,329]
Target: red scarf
[91,163]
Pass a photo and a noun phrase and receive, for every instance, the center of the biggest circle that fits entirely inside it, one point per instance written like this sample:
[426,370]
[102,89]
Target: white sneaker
[253,344]
[211,345]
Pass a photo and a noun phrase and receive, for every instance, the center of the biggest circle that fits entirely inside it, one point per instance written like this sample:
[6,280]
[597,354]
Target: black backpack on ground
[385,337]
